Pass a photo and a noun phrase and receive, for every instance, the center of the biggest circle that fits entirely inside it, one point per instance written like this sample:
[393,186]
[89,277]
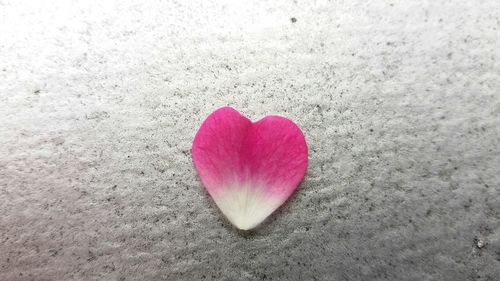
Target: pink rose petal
[249,169]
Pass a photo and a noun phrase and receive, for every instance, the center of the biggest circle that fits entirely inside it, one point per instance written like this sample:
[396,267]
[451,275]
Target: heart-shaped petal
[249,169]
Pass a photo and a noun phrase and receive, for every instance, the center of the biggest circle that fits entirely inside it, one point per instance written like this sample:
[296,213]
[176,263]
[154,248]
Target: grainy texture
[399,102]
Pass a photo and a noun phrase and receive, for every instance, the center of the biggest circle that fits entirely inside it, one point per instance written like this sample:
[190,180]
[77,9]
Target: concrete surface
[399,101]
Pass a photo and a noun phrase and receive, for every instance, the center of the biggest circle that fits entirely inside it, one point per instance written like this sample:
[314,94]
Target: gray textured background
[399,102]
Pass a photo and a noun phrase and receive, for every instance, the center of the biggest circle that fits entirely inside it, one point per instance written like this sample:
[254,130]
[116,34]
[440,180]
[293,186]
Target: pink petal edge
[249,168]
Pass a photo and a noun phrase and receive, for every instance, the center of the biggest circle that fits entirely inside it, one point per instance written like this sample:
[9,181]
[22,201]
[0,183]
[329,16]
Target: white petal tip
[245,207]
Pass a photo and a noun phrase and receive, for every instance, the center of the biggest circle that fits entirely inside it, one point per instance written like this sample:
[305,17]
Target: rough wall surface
[399,101]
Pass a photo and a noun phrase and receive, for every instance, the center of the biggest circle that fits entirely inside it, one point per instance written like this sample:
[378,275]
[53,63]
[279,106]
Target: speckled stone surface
[399,102]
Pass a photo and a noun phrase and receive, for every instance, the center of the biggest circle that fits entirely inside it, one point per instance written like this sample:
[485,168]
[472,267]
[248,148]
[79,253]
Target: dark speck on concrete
[91,256]
[293,20]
